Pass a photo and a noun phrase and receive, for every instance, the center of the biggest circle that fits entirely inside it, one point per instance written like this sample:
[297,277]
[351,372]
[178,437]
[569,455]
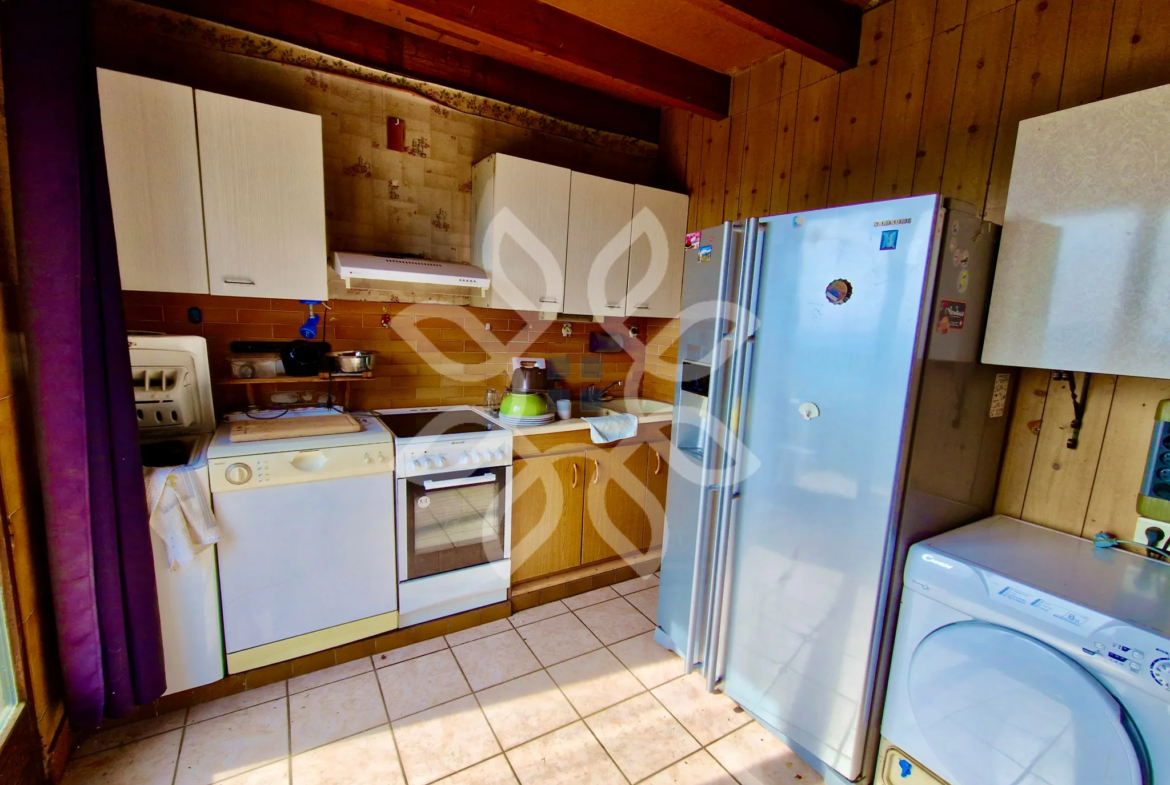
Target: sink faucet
[591,393]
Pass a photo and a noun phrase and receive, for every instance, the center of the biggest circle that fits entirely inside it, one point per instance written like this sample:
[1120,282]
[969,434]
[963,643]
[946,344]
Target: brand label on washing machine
[1040,605]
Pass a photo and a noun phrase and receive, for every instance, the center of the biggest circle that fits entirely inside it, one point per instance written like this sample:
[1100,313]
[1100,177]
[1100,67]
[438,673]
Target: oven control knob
[439,461]
[464,460]
[476,457]
[239,473]
[498,455]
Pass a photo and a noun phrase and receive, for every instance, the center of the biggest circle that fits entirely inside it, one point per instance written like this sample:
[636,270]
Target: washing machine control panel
[1136,655]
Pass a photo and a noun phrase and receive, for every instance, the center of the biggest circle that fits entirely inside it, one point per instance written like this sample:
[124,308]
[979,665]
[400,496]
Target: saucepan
[353,362]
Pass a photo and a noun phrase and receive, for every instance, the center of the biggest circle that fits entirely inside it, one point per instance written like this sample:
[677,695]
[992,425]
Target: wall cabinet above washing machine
[248,177]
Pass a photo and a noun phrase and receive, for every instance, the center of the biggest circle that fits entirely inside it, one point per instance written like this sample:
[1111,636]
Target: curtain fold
[100,559]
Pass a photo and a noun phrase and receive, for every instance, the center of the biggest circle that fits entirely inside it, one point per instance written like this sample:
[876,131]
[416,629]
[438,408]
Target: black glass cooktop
[453,421]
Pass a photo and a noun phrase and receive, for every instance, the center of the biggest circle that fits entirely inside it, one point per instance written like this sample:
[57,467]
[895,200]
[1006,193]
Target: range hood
[387,267]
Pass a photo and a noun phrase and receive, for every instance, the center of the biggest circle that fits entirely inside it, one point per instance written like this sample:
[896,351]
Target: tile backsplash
[428,355]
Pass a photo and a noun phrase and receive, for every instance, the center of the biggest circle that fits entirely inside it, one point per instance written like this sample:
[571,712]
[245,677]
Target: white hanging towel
[179,513]
[612,427]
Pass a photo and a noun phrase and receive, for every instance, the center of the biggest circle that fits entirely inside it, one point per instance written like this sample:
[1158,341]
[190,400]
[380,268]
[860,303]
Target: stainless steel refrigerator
[830,411]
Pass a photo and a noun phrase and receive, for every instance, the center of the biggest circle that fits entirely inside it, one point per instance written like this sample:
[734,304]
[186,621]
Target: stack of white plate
[523,422]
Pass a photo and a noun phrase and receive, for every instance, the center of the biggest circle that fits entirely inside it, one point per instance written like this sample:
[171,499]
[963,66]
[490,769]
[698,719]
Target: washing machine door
[998,707]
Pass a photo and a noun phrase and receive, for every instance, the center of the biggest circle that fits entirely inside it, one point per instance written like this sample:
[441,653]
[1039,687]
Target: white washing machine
[1027,656]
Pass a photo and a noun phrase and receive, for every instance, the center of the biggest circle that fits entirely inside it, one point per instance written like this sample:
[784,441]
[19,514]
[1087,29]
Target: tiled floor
[573,692]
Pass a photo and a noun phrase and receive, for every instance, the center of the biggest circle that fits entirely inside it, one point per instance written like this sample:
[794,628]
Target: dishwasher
[307,559]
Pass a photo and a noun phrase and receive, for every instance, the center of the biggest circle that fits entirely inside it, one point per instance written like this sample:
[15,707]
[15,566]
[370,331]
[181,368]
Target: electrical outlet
[1139,532]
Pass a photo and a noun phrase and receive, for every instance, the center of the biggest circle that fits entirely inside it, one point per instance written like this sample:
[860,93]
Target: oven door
[453,520]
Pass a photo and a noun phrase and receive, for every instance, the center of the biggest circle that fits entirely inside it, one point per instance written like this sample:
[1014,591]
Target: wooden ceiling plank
[826,31]
[545,38]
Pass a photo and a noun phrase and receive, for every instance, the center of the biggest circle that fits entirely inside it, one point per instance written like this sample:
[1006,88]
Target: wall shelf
[320,378]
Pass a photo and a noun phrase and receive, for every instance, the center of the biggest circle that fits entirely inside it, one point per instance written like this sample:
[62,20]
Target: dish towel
[179,513]
[612,427]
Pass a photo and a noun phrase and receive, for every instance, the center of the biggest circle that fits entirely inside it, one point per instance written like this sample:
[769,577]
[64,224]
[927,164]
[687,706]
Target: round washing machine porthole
[997,707]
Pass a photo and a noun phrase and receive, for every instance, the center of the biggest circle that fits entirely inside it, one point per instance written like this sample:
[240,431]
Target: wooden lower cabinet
[583,504]
[657,475]
[615,520]
[547,504]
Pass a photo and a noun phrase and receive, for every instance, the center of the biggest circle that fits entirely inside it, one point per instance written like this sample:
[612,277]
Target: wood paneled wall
[934,106]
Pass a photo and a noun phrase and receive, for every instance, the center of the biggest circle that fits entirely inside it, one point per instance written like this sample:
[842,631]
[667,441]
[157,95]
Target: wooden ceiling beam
[370,43]
[827,31]
[542,37]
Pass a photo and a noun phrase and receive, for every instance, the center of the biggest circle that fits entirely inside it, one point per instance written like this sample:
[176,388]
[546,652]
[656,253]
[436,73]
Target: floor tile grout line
[326,684]
[390,728]
[289,754]
[178,752]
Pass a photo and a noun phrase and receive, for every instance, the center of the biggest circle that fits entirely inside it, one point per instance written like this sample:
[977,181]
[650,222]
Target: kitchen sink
[638,406]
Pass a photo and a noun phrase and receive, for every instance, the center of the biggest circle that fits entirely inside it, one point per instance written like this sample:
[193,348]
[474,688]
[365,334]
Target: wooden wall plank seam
[859,115]
[1062,479]
[785,144]
[1113,504]
[1090,27]
[901,120]
[1139,47]
[977,106]
[759,155]
[734,174]
[913,22]
[1031,88]
[1020,446]
[812,148]
[938,101]
[695,145]
[713,171]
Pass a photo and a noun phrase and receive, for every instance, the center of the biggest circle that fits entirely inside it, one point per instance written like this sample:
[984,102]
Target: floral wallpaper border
[200,32]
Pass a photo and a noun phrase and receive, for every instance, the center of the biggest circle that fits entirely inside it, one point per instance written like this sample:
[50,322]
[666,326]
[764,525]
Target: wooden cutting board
[289,427]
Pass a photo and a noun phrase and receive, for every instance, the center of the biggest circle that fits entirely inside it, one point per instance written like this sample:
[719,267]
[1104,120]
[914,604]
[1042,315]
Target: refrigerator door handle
[696,620]
[732,422]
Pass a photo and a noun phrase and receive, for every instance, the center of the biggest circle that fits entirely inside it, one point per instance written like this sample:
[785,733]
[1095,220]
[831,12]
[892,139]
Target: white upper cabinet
[598,258]
[152,161]
[657,237]
[521,213]
[263,198]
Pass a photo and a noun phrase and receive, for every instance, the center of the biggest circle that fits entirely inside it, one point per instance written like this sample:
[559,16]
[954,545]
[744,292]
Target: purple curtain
[100,560]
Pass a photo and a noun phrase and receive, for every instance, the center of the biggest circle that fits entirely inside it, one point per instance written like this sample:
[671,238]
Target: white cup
[564,409]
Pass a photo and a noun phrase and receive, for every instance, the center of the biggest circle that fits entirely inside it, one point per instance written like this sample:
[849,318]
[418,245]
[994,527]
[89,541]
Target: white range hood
[386,267]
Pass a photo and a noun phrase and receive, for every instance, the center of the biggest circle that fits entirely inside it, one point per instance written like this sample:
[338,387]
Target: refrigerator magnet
[798,221]
[889,240]
[692,240]
[952,315]
[705,254]
[961,284]
[839,291]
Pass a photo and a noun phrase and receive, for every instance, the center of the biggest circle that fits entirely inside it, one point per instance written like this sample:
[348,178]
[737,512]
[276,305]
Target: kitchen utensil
[264,365]
[516,404]
[527,422]
[529,377]
[491,400]
[359,361]
[302,358]
[564,409]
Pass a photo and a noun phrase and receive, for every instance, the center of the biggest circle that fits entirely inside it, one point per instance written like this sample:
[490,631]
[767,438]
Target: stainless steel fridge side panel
[841,307]
[960,423]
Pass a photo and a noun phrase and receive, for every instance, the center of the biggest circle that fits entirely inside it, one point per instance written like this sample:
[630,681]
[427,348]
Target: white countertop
[571,424]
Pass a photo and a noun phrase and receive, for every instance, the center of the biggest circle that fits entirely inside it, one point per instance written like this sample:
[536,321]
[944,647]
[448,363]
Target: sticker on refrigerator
[705,254]
[839,291]
[889,240]
[999,394]
[964,259]
[952,315]
[964,280]
[692,240]
[798,221]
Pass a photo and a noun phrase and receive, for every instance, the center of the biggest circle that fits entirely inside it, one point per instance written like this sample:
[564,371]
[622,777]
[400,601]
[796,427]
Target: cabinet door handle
[549,300]
[574,474]
[612,305]
[658,465]
[643,306]
[596,471]
[240,281]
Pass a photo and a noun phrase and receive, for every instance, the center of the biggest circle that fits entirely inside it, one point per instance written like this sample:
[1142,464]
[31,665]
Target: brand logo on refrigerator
[892,222]
[932,560]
